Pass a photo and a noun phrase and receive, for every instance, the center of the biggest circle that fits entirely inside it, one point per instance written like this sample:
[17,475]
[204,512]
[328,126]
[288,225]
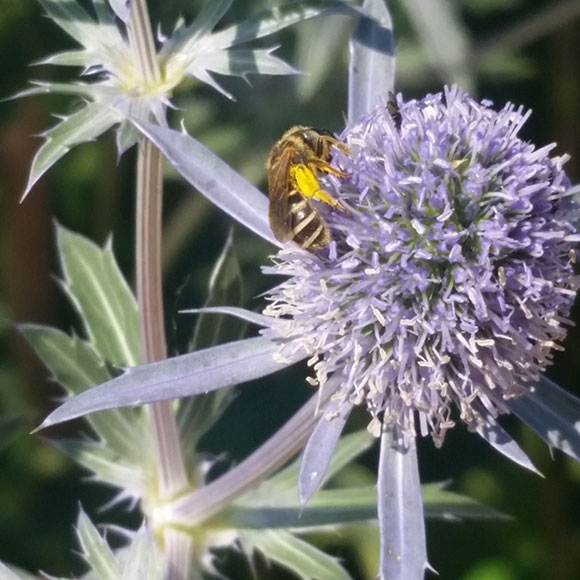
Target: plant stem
[196,507]
[170,467]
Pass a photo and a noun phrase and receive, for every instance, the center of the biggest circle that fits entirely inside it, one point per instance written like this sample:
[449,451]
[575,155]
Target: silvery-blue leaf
[348,448]
[305,560]
[76,367]
[122,8]
[127,135]
[372,60]
[90,92]
[43,88]
[400,509]
[213,177]
[280,509]
[240,62]
[185,38]
[450,506]
[194,49]
[274,507]
[95,550]
[97,289]
[105,11]
[553,414]
[65,58]
[321,444]
[242,313]
[143,560]
[279,17]
[99,36]
[204,76]
[199,372]
[501,441]
[211,13]
[84,125]
[107,466]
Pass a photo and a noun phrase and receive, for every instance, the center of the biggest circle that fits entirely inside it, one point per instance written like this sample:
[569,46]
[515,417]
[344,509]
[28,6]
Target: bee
[293,167]
[394,111]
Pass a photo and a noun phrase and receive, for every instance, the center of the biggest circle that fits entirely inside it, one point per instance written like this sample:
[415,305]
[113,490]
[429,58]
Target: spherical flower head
[449,284]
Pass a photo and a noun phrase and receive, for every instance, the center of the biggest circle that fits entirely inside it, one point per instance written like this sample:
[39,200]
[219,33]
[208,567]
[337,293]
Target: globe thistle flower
[450,283]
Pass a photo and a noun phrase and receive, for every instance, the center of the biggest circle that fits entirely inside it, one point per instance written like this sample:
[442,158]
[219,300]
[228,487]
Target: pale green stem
[170,467]
[169,461]
[209,500]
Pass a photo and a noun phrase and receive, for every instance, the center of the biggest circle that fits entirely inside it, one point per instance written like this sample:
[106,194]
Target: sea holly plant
[443,292]
[123,77]
[475,316]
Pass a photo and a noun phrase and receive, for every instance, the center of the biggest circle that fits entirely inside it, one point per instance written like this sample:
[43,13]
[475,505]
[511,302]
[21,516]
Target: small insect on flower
[394,111]
[293,167]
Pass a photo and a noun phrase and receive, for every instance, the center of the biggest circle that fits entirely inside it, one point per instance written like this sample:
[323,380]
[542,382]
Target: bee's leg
[319,165]
[305,181]
[341,147]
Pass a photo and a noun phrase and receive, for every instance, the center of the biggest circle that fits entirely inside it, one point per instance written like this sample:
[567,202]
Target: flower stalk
[199,506]
[170,468]
[148,263]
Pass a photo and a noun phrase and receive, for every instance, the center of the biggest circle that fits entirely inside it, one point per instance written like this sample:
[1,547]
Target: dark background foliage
[91,192]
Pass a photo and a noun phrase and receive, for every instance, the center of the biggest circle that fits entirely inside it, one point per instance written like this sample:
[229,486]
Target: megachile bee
[293,167]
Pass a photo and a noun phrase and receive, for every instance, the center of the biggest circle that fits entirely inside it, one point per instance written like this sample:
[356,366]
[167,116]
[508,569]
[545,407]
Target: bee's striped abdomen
[308,229]
[293,167]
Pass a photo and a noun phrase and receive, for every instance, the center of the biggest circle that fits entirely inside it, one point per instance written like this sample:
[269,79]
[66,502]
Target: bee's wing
[279,193]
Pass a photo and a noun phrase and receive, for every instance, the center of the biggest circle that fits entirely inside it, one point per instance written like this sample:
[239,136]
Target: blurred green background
[525,51]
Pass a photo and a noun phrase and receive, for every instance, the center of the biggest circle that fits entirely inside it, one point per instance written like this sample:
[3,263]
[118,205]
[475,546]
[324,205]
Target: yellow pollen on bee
[307,183]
